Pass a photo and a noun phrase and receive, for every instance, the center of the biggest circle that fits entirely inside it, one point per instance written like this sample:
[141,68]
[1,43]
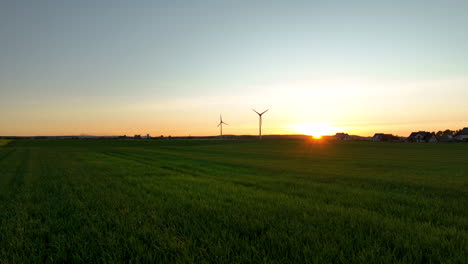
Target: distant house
[381,137]
[446,138]
[462,135]
[423,137]
[137,137]
[342,136]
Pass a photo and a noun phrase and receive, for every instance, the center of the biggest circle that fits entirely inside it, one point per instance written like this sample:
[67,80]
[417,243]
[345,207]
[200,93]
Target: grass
[233,201]
[3,142]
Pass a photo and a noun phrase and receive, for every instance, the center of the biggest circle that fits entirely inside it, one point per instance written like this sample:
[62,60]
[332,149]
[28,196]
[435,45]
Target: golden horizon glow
[312,111]
[316,130]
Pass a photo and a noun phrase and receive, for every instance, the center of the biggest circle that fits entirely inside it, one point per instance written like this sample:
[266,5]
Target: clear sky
[171,67]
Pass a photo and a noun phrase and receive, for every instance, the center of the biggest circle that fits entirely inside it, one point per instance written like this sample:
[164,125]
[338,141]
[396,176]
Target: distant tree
[448,132]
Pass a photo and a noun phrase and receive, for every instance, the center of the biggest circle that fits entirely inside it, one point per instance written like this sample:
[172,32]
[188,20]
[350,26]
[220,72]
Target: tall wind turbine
[220,125]
[260,122]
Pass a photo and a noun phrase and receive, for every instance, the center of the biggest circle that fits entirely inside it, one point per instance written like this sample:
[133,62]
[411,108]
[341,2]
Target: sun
[316,130]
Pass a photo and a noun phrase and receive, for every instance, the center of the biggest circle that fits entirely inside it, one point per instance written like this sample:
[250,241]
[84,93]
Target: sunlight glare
[316,130]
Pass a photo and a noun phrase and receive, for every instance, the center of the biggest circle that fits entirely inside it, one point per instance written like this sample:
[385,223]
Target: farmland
[242,201]
[3,142]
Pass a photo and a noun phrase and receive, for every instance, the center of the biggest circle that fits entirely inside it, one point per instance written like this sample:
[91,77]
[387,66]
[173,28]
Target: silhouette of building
[381,137]
[446,138]
[462,135]
[423,137]
[342,136]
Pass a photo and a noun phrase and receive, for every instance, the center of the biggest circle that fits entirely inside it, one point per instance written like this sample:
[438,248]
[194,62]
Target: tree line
[447,132]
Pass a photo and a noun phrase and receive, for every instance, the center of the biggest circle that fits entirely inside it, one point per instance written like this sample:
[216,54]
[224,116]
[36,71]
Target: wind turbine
[260,122]
[220,125]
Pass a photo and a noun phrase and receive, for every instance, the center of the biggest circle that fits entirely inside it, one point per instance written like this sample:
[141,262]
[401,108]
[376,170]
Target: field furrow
[211,201]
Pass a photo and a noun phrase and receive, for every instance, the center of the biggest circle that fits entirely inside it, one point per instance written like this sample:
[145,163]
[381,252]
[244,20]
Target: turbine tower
[220,125]
[260,122]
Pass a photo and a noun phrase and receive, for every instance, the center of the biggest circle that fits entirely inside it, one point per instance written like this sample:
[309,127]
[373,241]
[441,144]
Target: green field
[3,142]
[225,201]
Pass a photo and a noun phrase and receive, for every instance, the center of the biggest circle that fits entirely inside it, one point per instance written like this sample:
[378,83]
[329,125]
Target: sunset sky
[172,67]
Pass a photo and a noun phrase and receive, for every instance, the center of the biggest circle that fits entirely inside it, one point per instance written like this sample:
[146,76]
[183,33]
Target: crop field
[3,142]
[233,201]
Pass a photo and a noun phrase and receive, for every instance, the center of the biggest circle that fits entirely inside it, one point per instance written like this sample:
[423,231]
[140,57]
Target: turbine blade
[219,124]
[256,111]
[226,123]
[264,111]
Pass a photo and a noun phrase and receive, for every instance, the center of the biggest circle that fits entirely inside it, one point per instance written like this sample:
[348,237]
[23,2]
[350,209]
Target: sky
[172,67]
